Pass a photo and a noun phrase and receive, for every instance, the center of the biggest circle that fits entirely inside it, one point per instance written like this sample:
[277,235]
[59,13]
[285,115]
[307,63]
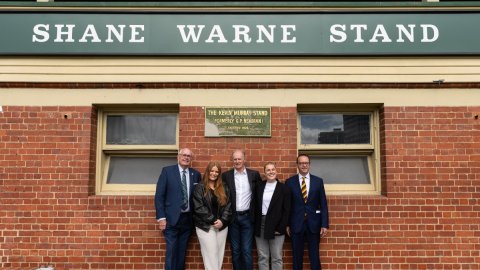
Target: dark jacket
[229,178]
[278,212]
[316,208]
[202,208]
[169,196]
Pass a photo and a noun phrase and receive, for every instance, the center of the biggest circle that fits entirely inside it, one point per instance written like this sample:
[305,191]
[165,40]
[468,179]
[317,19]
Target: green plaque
[238,121]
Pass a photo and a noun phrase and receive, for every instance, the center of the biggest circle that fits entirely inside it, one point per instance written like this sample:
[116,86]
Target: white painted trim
[240,97]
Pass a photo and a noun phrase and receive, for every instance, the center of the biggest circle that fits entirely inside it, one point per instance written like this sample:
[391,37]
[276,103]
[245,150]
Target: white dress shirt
[242,190]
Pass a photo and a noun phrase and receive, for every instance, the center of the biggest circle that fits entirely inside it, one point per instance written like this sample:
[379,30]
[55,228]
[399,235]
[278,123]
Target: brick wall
[427,218]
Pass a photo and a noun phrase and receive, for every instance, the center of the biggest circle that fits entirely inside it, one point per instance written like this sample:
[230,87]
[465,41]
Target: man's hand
[162,224]
[288,230]
[323,232]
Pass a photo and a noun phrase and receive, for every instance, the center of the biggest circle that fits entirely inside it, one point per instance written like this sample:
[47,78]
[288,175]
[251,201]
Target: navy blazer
[169,197]
[316,208]
[229,178]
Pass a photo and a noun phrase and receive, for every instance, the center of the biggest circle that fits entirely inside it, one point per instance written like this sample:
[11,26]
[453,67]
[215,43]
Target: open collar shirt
[242,190]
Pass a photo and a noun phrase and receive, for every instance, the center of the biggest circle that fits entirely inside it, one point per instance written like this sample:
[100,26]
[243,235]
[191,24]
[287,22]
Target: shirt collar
[181,169]
[306,176]
[243,172]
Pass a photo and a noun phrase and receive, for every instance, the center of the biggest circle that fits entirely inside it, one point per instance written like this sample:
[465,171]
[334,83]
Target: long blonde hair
[219,190]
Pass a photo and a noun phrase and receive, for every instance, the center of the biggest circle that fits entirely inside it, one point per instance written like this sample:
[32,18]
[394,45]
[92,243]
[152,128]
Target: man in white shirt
[242,182]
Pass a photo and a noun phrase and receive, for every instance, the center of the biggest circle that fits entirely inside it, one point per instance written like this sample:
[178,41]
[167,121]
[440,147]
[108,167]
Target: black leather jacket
[202,209]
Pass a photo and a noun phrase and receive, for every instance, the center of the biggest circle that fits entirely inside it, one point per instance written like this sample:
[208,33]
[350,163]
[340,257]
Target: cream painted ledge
[314,69]
[239,97]
[254,78]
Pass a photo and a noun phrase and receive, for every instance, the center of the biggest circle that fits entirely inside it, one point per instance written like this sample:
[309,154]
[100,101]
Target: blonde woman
[272,210]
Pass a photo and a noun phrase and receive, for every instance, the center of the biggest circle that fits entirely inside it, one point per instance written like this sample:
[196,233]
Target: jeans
[241,239]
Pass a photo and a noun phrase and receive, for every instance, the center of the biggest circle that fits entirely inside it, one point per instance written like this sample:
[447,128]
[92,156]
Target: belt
[241,213]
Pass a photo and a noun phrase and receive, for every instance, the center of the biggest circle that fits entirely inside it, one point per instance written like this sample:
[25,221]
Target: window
[343,145]
[134,144]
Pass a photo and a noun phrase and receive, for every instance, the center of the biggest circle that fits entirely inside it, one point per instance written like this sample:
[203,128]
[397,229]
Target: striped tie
[304,190]
[184,190]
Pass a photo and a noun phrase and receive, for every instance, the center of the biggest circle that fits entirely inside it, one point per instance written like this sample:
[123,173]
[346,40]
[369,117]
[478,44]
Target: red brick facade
[428,216]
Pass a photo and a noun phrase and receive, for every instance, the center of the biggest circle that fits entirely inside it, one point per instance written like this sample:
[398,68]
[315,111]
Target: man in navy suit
[241,182]
[309,214]
[174,207]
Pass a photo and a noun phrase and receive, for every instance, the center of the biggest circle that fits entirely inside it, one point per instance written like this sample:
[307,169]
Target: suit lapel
[313,187]
[177,181]
[296,187]
[176,173]
[191,180]
[249,177]
[231,178]
[260,193]
[231,183]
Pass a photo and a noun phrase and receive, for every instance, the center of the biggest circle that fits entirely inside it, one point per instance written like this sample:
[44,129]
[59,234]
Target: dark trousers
[298,242]
[177,240]
[240,232]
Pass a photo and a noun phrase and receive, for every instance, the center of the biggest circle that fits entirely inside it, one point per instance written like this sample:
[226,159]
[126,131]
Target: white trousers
[212,246]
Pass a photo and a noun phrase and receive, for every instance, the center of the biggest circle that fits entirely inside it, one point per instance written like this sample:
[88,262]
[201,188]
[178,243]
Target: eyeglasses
[185,155]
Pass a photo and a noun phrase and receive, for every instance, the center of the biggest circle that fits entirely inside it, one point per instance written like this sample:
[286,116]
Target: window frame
[371,150]
[105,151]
